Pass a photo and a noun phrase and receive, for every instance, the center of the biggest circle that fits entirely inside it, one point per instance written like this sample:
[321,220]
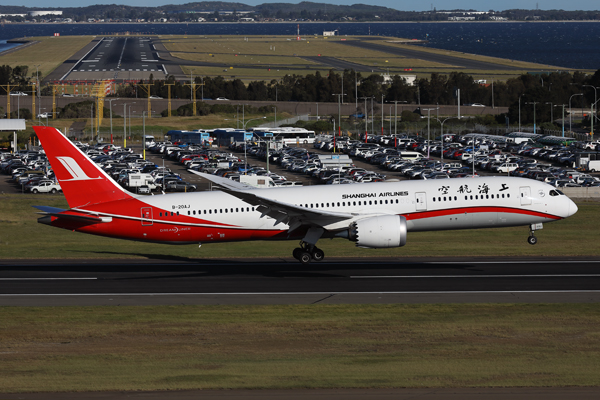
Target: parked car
[45,187]
[179,186]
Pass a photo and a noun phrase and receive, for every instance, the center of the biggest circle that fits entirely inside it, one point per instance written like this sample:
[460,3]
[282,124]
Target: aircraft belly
[443,222]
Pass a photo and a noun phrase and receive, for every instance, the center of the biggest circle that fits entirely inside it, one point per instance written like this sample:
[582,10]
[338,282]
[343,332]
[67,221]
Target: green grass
[574,236]
[49,53]
[302,346]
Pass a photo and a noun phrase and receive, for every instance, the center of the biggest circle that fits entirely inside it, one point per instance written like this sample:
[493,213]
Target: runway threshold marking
[475,276]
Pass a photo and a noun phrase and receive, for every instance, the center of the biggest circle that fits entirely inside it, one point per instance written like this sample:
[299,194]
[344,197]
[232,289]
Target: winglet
[81,180]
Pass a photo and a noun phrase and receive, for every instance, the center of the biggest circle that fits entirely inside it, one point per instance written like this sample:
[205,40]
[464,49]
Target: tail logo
[74,169]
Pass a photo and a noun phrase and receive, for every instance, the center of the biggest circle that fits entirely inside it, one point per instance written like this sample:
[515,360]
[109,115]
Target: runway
[268,281]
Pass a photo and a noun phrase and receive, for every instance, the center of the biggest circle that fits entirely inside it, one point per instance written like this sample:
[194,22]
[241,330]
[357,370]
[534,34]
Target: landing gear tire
[318,254]
[532,240]
[296,253]
[304,257]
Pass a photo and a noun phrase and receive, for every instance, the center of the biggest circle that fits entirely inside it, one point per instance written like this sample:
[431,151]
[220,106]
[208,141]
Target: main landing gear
[308,252]
[532,228]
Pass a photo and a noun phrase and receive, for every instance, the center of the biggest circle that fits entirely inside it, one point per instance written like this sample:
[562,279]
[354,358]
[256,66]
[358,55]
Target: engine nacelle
[379,232]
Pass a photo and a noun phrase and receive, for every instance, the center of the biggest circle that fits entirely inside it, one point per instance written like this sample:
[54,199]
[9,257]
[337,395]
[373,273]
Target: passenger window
[160,214]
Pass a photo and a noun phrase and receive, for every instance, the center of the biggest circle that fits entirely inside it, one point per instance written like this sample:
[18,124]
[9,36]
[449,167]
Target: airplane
[373,215]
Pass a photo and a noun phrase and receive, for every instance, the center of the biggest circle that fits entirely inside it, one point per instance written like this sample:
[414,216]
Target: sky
[479,5]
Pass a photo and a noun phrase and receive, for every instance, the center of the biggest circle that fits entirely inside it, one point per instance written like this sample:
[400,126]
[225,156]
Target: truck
[137,180]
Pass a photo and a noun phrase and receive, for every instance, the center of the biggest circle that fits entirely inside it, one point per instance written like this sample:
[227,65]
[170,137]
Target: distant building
[40,13]
[329,33]
[409,79]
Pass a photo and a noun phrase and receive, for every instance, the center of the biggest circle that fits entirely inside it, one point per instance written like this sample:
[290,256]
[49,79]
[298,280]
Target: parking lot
[376,159]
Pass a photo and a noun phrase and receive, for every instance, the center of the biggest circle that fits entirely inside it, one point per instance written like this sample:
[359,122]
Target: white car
[222,99]
[45,187]
[43,115]
[155,97]
[18,94]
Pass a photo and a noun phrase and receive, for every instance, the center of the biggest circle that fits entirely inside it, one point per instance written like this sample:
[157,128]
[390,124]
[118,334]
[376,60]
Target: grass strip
[22,237]
[300,346]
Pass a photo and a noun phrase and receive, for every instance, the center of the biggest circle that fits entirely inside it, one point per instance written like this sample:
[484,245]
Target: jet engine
[379,232]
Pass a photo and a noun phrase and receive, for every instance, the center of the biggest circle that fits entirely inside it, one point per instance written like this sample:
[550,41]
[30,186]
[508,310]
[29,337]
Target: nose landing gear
[532,228]
[308,252]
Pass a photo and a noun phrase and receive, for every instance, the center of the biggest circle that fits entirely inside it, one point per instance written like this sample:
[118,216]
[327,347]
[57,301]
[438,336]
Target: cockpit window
[556,193]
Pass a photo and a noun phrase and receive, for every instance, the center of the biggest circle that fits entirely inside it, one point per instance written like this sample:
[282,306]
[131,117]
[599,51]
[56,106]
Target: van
[257,181]
[411,155]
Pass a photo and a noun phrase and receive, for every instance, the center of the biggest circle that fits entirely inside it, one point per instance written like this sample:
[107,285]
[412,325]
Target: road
[162,280]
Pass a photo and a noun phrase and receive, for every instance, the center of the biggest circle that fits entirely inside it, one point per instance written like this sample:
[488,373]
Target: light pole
[129,121]
[592,108]
[563,117]
[534,103]
[522,94]
[366,119]
[339,96]
[382,115]
[111,125]
[442,136]
[37,86]
[246,145]
[144,131]
[428,127]
[570,114]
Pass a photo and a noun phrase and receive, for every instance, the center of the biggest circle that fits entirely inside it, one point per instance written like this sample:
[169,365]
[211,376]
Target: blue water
[563,44]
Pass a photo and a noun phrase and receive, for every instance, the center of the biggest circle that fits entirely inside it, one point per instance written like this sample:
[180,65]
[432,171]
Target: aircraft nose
[572,208]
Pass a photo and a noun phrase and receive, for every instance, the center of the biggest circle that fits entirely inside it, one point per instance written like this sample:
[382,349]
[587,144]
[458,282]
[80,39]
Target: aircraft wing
[223,182]
[290,214]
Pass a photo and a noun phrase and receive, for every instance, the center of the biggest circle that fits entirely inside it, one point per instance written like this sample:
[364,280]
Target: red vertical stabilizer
[81,180]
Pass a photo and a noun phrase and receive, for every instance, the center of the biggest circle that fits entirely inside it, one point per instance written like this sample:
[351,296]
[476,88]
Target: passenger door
[525,194]
[146,216]
[421,201]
